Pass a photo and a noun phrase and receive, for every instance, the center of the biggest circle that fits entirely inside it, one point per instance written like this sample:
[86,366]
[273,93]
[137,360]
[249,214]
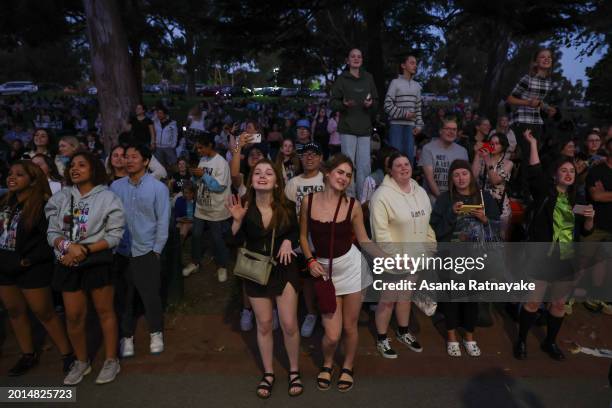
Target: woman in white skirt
[332,219]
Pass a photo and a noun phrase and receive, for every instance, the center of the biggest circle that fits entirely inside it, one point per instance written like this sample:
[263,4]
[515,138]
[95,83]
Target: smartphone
[488,147]
[256,138]
[580,209]
[184,128]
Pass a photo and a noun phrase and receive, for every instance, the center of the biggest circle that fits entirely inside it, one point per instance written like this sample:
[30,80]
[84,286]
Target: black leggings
[462,314]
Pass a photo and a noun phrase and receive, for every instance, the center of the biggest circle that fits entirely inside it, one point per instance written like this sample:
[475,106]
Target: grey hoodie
[96,215]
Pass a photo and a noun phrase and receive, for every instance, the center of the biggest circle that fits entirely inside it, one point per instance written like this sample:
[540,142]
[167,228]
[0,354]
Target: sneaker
[384,348]
[569,307]
[157,342]
[309,324]
[126,347]
[78,370]
[222,274]
[275,323]
[24,364]
[246,320]
[67,361]
[109,371]
[598,306]
[189,269]
[409,340]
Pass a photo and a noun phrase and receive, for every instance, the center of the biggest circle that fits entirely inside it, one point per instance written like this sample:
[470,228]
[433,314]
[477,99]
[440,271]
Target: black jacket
[443,220]
[31,245]
[545,195]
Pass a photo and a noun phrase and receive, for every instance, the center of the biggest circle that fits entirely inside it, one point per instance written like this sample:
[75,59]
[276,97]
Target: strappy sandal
[345,385]
[267,386]
[294,384]
[323,383]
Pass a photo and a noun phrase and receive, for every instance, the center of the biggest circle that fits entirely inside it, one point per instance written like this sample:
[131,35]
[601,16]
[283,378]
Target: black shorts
[72,280]
[34,277]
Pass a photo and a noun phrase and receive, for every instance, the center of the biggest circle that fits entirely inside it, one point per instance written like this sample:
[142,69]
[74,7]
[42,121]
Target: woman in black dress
[264,211]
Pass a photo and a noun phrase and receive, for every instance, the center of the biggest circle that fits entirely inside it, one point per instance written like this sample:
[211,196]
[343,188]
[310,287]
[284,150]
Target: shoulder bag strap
[71,215]
[332,237]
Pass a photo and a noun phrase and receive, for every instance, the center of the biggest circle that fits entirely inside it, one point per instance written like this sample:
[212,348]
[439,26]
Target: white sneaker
[246,320]
[308,326]
[275,323]
[157,342]
[189,269]
[222,274]
[126,347]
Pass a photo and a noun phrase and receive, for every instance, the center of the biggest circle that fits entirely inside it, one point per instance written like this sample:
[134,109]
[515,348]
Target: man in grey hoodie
[403,106]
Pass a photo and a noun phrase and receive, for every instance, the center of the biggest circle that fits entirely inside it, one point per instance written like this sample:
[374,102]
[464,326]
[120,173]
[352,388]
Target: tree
[600,84]
[111,67]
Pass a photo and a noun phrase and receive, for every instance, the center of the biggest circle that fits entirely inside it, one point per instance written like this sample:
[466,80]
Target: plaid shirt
[530,87]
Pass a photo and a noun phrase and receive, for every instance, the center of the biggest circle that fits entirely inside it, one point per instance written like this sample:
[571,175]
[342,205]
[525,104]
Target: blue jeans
[357,148]
[402,139]
[218,231]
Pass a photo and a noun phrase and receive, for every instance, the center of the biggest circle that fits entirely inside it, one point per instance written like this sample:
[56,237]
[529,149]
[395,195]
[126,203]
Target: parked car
[151,89]
[177,89]
[321,94]
[235,91]
[272,91]
[290,92]
[208,90]
[18,88]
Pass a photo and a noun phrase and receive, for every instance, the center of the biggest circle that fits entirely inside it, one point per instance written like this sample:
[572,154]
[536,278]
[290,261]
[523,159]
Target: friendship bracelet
[312,260]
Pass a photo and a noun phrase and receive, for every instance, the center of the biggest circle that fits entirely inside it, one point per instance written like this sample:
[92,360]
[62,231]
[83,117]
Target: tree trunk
[111,67]
[490,91]
[374,15]
[136,59]
[190,63]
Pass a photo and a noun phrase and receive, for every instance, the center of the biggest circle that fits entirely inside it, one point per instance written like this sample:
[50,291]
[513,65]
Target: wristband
[309,259]
[313,260]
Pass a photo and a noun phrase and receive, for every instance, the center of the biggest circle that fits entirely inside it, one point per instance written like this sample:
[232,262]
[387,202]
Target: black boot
[24,364]
[553,351]
[520,350]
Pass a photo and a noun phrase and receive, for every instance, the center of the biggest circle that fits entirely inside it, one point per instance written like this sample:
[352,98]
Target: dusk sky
[574,67]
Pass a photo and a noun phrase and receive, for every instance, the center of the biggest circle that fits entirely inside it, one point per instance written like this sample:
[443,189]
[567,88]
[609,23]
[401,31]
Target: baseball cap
[305,123]
[312,147]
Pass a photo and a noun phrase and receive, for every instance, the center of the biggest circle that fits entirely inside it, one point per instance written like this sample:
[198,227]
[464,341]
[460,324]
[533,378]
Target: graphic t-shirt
[299,187]
[440,158]
[9,220]
[210,205]
[75,224]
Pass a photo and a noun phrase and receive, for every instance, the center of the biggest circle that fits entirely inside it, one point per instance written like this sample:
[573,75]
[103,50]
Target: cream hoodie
[402,219]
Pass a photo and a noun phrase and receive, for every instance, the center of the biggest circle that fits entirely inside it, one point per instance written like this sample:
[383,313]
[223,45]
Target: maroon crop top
[320,233]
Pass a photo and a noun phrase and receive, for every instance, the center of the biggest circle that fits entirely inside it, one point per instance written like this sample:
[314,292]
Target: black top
[258,239]
[544,195]
[30,245]
[140,133]
[603,211]
[445,222]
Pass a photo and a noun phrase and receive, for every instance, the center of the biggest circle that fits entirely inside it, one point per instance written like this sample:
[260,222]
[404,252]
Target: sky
[574,67]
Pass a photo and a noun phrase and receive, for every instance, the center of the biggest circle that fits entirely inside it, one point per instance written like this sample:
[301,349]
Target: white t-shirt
[55,186]
[210,206]
[298,187]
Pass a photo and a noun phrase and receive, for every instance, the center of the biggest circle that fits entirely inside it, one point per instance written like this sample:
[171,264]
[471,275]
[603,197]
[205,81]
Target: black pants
[460,314]
[143,276]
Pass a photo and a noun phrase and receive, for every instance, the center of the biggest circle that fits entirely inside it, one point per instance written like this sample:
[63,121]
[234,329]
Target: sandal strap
[344,382]
[326,369]
[347,371]
[264,379]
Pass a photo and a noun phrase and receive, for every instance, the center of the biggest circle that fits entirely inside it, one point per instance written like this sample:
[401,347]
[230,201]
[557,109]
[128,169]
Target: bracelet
[313,260]
[309,259]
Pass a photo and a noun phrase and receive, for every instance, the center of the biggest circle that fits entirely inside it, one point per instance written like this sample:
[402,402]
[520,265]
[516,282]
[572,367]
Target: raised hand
[235,207]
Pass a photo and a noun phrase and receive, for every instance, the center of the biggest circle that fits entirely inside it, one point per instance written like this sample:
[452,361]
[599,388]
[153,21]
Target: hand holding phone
[255,137]
[580,209]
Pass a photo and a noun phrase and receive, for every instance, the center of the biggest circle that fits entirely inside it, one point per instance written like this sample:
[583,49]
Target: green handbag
[253,265]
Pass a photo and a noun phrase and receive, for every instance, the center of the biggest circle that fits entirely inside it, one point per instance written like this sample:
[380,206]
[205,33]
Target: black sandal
[266,387]
[344,385]
[294,384]
[323,383]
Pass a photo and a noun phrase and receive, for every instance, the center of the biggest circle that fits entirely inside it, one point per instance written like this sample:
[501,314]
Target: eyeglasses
[450,129]
[310,154]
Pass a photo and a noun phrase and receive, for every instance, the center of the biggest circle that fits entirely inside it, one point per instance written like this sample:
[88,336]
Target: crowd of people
[303,192]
